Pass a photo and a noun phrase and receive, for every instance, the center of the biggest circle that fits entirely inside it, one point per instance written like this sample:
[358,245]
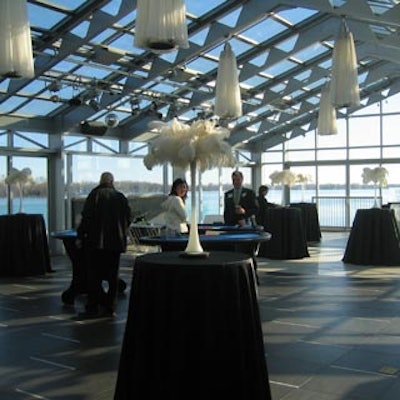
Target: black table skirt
[310,220]
[77,256]
[24,247]
[374,239]
[193,330]
[288,239]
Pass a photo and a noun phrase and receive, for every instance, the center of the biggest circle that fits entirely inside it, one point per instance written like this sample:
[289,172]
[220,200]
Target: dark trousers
[103,265]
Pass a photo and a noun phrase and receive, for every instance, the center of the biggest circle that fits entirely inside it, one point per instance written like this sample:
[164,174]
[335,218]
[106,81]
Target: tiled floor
[332,331]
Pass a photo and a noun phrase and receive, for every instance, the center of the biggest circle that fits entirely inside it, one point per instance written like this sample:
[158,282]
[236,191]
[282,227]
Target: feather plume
[180,144]
[285,177]
[376,175]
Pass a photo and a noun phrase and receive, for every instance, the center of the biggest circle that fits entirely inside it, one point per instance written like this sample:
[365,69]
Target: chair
[213,218]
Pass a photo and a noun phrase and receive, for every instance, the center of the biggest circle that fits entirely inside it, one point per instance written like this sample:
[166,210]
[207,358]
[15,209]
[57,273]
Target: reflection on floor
[332,332]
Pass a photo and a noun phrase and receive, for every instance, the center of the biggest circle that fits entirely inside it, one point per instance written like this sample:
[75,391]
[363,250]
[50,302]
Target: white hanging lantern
[345,91]
[16,59]
[228,102]
[327,124]
[161,25]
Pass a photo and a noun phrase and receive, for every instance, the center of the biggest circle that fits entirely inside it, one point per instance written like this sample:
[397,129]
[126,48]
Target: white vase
[193,247]
[376,202]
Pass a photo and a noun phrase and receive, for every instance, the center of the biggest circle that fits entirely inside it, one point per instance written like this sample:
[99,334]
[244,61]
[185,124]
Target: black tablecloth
[310,219]
[24,249]
[288,239]
[193,330]
[374,239]
[77,256]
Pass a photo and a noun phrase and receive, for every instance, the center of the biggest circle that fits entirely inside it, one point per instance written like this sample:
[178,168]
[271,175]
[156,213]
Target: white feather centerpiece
[199,146]
[19,178]
[303,179]
[378,177]
[286,178]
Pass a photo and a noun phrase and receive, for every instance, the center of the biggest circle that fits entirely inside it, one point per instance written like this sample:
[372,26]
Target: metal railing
[339,212]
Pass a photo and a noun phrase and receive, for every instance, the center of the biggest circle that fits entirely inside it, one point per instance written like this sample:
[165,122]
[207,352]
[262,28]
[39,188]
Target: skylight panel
[92,72]
[112,7]
[12,103]
[310,52]
[199,8]
[256,80]
[43,17]
[81,30]
[125,42]
[296,15]
[104,35]
[231,19]
[200,37]
[34,87]
[68,5]
[37,107]
[263,30]
[202,65]
[238,47]
[280,68]
[260,59]
[161,87]
[288,44]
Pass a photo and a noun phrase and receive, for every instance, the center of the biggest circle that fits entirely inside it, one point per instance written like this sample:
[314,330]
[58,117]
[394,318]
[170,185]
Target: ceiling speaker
[93,128]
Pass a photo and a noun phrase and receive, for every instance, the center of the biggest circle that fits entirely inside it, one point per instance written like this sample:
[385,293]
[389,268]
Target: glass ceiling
[87,66]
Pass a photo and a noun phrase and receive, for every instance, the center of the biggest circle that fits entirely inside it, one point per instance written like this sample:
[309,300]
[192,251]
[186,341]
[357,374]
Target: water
[38,205]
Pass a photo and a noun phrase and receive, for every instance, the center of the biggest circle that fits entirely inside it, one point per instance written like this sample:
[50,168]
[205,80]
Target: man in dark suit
[239,203]
[103,234]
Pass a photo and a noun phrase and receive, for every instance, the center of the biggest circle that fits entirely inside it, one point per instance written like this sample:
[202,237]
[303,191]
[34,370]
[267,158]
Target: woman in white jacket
[175,208]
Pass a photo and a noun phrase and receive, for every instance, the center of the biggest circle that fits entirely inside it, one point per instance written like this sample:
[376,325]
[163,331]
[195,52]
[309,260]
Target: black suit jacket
[247,201]
[105,219]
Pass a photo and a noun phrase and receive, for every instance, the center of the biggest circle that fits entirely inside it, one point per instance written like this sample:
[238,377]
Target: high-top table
[193,330]
[78,283]
[288,239]
[374,238]
[310,219]
[246,242]
[24,249]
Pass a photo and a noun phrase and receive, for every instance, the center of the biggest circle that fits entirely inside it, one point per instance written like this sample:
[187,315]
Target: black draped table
[193,330]
[374,238]
[78,283]
[288,239]
[310,219]
[24,249]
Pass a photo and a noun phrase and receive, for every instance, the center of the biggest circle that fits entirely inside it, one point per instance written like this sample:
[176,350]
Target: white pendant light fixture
[327,124]
[16,59]
[161,25]
[345,91]
[228,102]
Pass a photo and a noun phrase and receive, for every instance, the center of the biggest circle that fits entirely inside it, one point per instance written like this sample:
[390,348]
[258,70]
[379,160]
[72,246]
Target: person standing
[175,208]
[263,204]
[102,232]
[239,203]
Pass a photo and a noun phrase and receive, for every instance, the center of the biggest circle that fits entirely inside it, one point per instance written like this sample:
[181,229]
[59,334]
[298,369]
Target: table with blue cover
[193,330]
[374,238]
[78,283]
[244,242]
[24,249]
[203,228]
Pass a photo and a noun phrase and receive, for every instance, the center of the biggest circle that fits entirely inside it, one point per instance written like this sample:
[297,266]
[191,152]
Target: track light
[93,103]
